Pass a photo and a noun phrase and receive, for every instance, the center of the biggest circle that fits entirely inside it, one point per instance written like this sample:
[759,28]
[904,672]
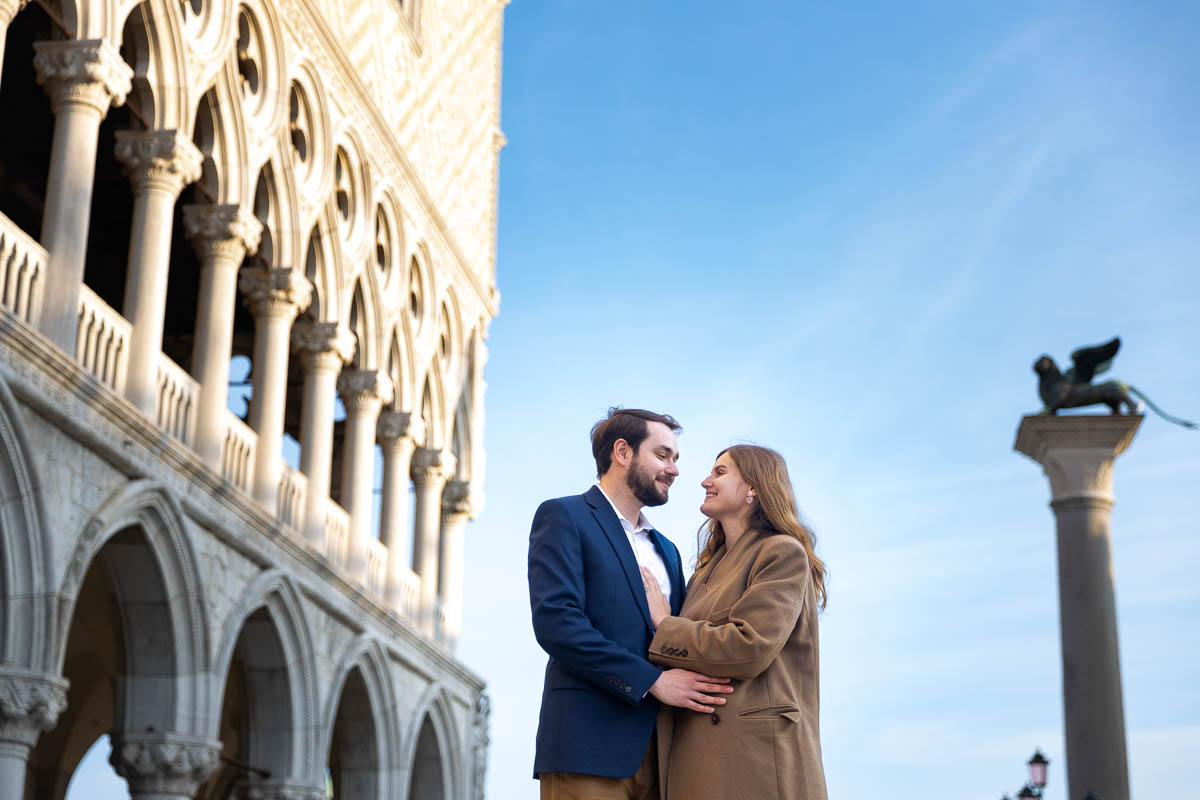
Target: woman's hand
[659,607]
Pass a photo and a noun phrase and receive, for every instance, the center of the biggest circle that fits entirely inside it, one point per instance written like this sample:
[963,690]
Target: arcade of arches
[246,277]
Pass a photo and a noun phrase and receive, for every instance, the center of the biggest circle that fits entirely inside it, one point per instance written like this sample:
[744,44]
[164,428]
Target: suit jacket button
[715,718]
[683,652]
[628,690]
[663,648]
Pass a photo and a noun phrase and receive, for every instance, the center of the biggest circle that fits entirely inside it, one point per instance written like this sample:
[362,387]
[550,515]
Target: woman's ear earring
[749,497]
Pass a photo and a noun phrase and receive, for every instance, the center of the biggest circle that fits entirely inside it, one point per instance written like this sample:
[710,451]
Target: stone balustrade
[337,534]
[237,452]
[377,557]
[409,594]
[175,401]
[22,265]
[102,342]
[293,487]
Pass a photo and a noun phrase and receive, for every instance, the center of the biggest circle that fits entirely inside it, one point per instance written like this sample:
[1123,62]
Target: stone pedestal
[1077,454]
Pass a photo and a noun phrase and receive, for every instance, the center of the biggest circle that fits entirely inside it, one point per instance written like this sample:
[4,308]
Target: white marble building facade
[247,270]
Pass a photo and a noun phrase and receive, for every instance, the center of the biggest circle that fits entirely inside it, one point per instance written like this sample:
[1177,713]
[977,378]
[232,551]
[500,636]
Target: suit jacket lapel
[602,510]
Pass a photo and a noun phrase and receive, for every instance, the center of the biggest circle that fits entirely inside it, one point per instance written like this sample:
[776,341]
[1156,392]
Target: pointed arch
[432,740]
[399,367]
[27,615]
[320,267]
[366,658]
[219,133]
[280,648]
[432,412]
[152,40]
[150,507]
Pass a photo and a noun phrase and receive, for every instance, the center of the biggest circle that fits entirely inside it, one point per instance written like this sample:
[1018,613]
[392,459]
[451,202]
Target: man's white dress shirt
[643,546]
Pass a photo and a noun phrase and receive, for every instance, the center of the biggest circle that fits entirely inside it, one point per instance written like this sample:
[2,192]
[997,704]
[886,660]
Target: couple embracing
[655,689]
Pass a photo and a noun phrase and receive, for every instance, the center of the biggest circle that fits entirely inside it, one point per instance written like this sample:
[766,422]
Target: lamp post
[1038,766]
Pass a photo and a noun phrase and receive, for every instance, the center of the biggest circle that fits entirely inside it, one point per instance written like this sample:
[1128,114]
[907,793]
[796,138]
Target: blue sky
[846,232]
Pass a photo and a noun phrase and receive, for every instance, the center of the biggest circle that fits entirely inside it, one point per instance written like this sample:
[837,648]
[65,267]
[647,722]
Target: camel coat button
[715,718]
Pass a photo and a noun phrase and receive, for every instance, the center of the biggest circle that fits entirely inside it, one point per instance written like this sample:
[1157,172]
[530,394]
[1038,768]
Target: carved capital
[275,293]
[1077,452]
[158,161]
[364,389]
[280,791]
[431,467]
[221,232]
[396,427]
[29,705]
[86,73]
[458,505]
[323,345]
[164,763]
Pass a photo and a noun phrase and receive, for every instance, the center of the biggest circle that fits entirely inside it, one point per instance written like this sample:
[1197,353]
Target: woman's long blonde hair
[774,509]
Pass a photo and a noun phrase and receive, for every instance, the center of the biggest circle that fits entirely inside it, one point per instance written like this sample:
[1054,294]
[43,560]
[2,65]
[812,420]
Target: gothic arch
[29,622]
[227,151]
[399,367]
[432,743]
[150,508]
[273,605]
[152,36]
[365,656]
[321,270]
[432,411]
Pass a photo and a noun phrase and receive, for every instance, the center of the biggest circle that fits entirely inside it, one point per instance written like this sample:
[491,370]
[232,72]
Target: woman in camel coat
[750,614]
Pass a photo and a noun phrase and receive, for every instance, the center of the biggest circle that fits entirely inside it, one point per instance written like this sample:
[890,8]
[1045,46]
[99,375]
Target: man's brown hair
[630,424]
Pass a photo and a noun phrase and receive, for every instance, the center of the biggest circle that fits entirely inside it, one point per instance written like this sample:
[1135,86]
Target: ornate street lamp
[1037,770]
[1032,790]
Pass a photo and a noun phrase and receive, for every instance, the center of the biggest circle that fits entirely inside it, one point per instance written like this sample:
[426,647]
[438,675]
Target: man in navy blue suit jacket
[586,590]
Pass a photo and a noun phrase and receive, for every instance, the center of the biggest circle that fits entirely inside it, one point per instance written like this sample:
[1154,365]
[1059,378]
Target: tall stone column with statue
[1077,454]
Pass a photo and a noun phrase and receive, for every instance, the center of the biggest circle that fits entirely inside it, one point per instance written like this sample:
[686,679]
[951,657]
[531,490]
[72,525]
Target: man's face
[653,469]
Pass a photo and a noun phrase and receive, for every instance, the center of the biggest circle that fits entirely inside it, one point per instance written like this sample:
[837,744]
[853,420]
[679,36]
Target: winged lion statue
[1075,389]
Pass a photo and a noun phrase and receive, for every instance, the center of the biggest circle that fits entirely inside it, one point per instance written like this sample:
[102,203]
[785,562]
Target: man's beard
[642,484]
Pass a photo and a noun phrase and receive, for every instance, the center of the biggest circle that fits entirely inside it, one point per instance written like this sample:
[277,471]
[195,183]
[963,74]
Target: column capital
[87,73]
[29,705]
[322,344]
[398,426]
[275,293]
[161,161]
[432,466]
[226,232]
[164,763]
[363,389]
[458,503]
[1077,452]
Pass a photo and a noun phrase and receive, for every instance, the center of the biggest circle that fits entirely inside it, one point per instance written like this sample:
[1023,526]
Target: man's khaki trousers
[573,786]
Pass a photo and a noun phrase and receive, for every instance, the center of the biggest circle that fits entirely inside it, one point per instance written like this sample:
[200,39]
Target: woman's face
[725,490]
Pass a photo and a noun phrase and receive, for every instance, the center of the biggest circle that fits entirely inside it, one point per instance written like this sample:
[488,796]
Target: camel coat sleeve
[759,623]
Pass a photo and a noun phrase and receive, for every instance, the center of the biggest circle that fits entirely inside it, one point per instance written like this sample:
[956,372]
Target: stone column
[397,436]
[81,78]
[29,705]
[457,511]
[222,236]
[164,766]
[363,393]
[275,297]
[158,164]
[323,348]
[431,468]
[1077,454]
